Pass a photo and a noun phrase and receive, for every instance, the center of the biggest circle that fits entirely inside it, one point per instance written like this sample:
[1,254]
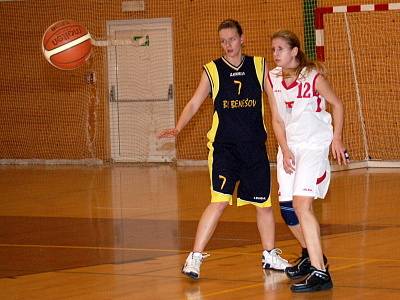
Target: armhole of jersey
[259,63]
[212,73]
[315,92]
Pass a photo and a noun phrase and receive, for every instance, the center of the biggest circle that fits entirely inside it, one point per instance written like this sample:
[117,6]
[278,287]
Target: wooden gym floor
[123,232]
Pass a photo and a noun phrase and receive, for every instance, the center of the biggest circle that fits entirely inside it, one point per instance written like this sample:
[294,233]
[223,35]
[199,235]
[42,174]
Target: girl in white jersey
[304,132]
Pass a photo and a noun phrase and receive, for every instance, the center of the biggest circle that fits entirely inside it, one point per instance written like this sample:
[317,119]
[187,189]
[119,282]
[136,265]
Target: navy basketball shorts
[246,163]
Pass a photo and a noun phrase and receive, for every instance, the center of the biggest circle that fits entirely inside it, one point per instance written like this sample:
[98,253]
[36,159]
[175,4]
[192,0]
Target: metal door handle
[170,92]
[112,94]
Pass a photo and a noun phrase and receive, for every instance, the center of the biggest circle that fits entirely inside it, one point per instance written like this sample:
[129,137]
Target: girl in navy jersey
[236,143]
[304,132]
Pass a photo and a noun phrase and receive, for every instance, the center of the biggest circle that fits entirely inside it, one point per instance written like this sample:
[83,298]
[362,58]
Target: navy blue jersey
[237,93]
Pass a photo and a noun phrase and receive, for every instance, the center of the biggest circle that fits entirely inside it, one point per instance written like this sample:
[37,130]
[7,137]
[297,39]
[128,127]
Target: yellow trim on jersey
[262,111]
[259,63]
[212,73]
[267,203]
[233,66]
[213,131]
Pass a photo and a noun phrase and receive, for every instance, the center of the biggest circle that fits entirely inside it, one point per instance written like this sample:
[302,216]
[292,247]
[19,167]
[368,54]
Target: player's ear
[295,50]
[242,39]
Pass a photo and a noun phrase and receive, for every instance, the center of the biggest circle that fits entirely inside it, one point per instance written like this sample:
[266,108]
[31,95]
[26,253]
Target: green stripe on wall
[309,29]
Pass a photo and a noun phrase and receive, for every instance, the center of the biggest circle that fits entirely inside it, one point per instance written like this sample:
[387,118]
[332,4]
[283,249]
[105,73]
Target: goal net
[361,52]
[51,115]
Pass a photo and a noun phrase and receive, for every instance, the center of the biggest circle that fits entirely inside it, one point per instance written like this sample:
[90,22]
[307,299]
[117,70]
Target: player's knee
[265,211]
[302,207]
[219,205]
[288,213]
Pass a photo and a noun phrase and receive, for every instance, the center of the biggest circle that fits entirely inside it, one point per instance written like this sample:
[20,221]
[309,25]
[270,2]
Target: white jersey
[302,109]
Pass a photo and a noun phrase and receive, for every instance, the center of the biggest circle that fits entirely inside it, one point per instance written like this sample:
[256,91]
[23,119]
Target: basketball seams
[66,44]
[84,55]
[68,64]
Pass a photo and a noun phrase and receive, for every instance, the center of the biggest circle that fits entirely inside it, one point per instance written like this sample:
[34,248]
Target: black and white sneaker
[301,268]
[318,280]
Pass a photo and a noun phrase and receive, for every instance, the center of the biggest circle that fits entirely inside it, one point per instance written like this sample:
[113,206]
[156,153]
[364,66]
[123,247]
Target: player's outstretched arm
[338,149]
[190,109]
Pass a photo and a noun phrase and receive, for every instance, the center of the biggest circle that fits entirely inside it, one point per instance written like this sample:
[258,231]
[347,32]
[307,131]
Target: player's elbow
[337,106]
[276,121]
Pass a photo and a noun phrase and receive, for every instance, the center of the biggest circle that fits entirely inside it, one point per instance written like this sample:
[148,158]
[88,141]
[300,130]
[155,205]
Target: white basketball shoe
[191,268]
[272,260]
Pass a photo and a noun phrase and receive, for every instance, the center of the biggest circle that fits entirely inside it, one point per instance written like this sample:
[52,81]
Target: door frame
[111,28]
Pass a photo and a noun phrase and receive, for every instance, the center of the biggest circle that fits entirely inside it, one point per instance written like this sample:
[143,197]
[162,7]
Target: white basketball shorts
[311,177]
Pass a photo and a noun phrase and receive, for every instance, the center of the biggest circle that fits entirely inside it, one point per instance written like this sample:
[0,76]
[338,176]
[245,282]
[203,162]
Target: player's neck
[234,60]
[291,66]
[289,72]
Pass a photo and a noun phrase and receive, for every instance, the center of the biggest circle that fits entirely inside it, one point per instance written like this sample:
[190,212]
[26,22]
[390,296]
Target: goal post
[359,45]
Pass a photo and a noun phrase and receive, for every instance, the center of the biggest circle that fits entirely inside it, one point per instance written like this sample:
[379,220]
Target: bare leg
[207,224]
[310,228]
[298,234]
[266,227]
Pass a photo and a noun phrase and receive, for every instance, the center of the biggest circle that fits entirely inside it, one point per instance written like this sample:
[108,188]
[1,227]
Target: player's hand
[167,133]
[288,161]
[339,152]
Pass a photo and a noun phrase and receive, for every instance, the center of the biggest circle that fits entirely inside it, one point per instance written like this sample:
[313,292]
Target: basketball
[66,45]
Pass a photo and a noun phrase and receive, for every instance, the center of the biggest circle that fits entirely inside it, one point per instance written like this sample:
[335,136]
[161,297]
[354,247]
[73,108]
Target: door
[141,102]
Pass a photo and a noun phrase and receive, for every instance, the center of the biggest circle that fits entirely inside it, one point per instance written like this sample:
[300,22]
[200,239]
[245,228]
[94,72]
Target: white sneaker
[272,260]
[192,265]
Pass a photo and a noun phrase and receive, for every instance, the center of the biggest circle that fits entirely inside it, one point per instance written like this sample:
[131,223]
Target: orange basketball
[66,44]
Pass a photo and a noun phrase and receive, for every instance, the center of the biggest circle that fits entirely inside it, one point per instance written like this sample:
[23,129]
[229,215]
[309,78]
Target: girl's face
[284,56]
[231,42]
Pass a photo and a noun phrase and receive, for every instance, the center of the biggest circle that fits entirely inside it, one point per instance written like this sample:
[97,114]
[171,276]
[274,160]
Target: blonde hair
[304,61]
